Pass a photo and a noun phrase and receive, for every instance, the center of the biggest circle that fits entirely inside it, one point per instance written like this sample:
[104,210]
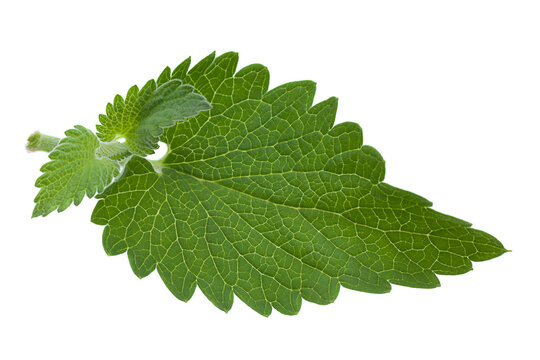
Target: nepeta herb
[259,195]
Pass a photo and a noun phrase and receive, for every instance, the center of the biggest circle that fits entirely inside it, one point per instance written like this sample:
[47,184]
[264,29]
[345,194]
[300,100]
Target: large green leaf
[263,197]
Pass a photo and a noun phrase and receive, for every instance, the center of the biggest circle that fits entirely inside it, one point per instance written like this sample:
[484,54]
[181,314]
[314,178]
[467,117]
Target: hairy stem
[41,142]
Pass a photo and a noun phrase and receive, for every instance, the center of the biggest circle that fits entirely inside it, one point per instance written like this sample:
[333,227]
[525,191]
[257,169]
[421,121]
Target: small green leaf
[141,118]
[74,170]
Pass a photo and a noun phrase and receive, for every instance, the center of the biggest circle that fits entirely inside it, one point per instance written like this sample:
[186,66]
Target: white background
[447,91]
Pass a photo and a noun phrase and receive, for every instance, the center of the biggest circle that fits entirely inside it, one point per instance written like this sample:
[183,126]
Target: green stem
[40,142]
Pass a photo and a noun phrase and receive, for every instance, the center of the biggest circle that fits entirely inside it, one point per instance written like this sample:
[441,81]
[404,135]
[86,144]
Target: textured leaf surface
[142,116]
[263,197]
[74,170]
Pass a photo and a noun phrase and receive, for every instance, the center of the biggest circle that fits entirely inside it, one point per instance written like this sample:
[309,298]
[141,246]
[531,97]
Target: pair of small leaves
[81,164]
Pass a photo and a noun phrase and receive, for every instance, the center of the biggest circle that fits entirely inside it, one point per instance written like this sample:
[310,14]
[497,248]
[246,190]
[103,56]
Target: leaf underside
[262,197]
[74,171]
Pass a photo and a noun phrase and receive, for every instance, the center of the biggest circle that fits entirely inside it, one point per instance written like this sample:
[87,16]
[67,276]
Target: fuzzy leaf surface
[263,197]
[142,117]
[74,170]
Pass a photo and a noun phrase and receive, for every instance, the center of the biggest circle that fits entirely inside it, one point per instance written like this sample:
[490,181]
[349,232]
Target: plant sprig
[260,194]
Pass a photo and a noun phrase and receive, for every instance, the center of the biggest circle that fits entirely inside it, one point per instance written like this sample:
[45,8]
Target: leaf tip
[39,210]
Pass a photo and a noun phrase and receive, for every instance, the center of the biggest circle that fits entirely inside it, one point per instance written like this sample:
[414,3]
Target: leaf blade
[265,198]
[73,172]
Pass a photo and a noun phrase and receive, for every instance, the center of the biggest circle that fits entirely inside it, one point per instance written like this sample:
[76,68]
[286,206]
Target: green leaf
[141,118]
[264,198]
[74,170]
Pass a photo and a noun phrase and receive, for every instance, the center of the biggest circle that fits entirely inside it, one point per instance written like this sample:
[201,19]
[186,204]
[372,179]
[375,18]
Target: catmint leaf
[144,114]
[74,170]
[263,197]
